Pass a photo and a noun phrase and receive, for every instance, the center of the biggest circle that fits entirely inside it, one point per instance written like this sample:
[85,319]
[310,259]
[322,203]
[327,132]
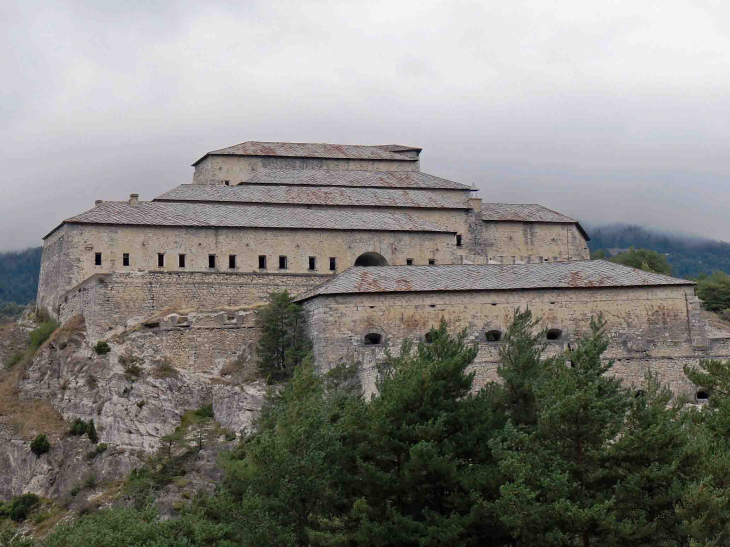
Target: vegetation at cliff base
[558,453]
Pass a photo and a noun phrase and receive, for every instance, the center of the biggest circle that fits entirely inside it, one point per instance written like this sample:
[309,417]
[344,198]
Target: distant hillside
[19,275]
[688,256]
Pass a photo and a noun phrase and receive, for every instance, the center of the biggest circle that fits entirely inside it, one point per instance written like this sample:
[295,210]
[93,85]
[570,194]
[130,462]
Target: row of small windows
[232,261]
[375,339]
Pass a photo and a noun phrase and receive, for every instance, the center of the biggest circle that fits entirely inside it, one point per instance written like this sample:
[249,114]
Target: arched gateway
[371,259]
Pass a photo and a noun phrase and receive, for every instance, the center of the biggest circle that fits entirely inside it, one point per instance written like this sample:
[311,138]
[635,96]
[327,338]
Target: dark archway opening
[373,339]
[554,334]
[371,259]
[493,336]
[702,396]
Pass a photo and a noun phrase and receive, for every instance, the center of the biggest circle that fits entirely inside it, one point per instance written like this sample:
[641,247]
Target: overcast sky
[605,111]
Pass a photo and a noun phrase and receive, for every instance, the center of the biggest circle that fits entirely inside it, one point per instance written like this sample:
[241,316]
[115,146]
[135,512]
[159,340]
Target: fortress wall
[237,169]
[112,302]
[649,327]
[532,239]
[69,263]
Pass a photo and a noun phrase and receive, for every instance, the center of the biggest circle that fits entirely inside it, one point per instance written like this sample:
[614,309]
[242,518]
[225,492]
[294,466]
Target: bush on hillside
[42,333]
[40,445]
[102,347]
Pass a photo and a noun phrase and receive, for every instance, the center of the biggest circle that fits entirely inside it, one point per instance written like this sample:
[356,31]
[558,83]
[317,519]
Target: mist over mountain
[688,255]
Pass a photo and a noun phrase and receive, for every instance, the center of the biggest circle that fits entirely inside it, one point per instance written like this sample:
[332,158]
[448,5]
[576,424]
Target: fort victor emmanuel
[375,250]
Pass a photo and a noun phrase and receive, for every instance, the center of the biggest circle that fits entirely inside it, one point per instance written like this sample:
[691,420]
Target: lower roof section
[153,213]
[316,195]
[526,212]
[491,277]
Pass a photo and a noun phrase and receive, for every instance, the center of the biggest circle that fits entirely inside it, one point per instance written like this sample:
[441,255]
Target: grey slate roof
[149,213]
[526,212]
[313,150]
[374,179]
[492,277]
[307,195]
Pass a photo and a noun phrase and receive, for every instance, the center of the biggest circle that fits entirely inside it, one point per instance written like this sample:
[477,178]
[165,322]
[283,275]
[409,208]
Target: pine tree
[653,462]
[558,491]
[521,367]
[283,343]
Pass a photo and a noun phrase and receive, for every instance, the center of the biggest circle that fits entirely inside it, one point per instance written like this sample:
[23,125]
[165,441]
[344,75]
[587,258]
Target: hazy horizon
[617,114]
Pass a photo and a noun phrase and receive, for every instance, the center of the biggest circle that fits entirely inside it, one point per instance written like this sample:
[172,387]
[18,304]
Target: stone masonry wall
[237,169]
[649,327]
[66,267]
[525,242]
[112,302]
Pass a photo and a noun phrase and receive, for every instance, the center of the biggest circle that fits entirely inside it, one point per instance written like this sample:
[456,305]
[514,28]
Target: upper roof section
[369,179]
[318,150]
[492,277]
[526,212]
[153,213]
[307,195]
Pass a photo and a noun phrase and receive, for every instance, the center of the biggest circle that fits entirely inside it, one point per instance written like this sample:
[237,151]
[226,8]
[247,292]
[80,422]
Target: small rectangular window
[283,263]
[232,262]
[514,260]
[160,260]
[262,262]
[539,259]
[181,260]
[529,260]
[312,263]
[97,259]
[458,240]
[125,259]
[333,264]
[409,261]
[211,261]
[227,182]
[431,262]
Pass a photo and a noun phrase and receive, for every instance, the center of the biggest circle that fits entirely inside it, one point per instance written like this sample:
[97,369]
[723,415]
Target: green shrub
[20,506]
[42,333]
[75,490]
[78,427]
[205,411]
[102,348]
[40,445]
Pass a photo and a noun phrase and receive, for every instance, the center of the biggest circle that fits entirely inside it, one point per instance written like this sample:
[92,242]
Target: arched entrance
[371,259]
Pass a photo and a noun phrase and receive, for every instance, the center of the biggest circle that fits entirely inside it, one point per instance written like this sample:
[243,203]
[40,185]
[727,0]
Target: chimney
[133,199]
[98,202]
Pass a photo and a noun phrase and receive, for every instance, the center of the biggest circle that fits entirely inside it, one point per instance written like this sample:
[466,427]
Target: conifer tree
[283,343]
[91,432]
[558,491]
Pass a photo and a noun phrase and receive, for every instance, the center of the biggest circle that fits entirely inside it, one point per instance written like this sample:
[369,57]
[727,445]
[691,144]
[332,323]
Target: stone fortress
[375,250]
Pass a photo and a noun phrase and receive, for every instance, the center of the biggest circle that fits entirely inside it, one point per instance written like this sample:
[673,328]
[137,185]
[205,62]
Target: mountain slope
[688,256]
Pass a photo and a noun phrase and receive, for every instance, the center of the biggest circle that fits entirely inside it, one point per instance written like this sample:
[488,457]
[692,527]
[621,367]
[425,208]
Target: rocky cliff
[135,395]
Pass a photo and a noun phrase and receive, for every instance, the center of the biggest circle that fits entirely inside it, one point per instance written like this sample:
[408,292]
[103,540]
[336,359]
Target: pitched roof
[153,213]
[371,179]
[492,277]
[526,212]
[314,150]
[307,195]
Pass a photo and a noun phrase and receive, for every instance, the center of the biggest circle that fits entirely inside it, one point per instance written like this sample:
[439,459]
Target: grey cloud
[605,112]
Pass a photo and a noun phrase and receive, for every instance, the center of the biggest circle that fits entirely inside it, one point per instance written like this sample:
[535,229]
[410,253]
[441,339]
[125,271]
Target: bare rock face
[134,398]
